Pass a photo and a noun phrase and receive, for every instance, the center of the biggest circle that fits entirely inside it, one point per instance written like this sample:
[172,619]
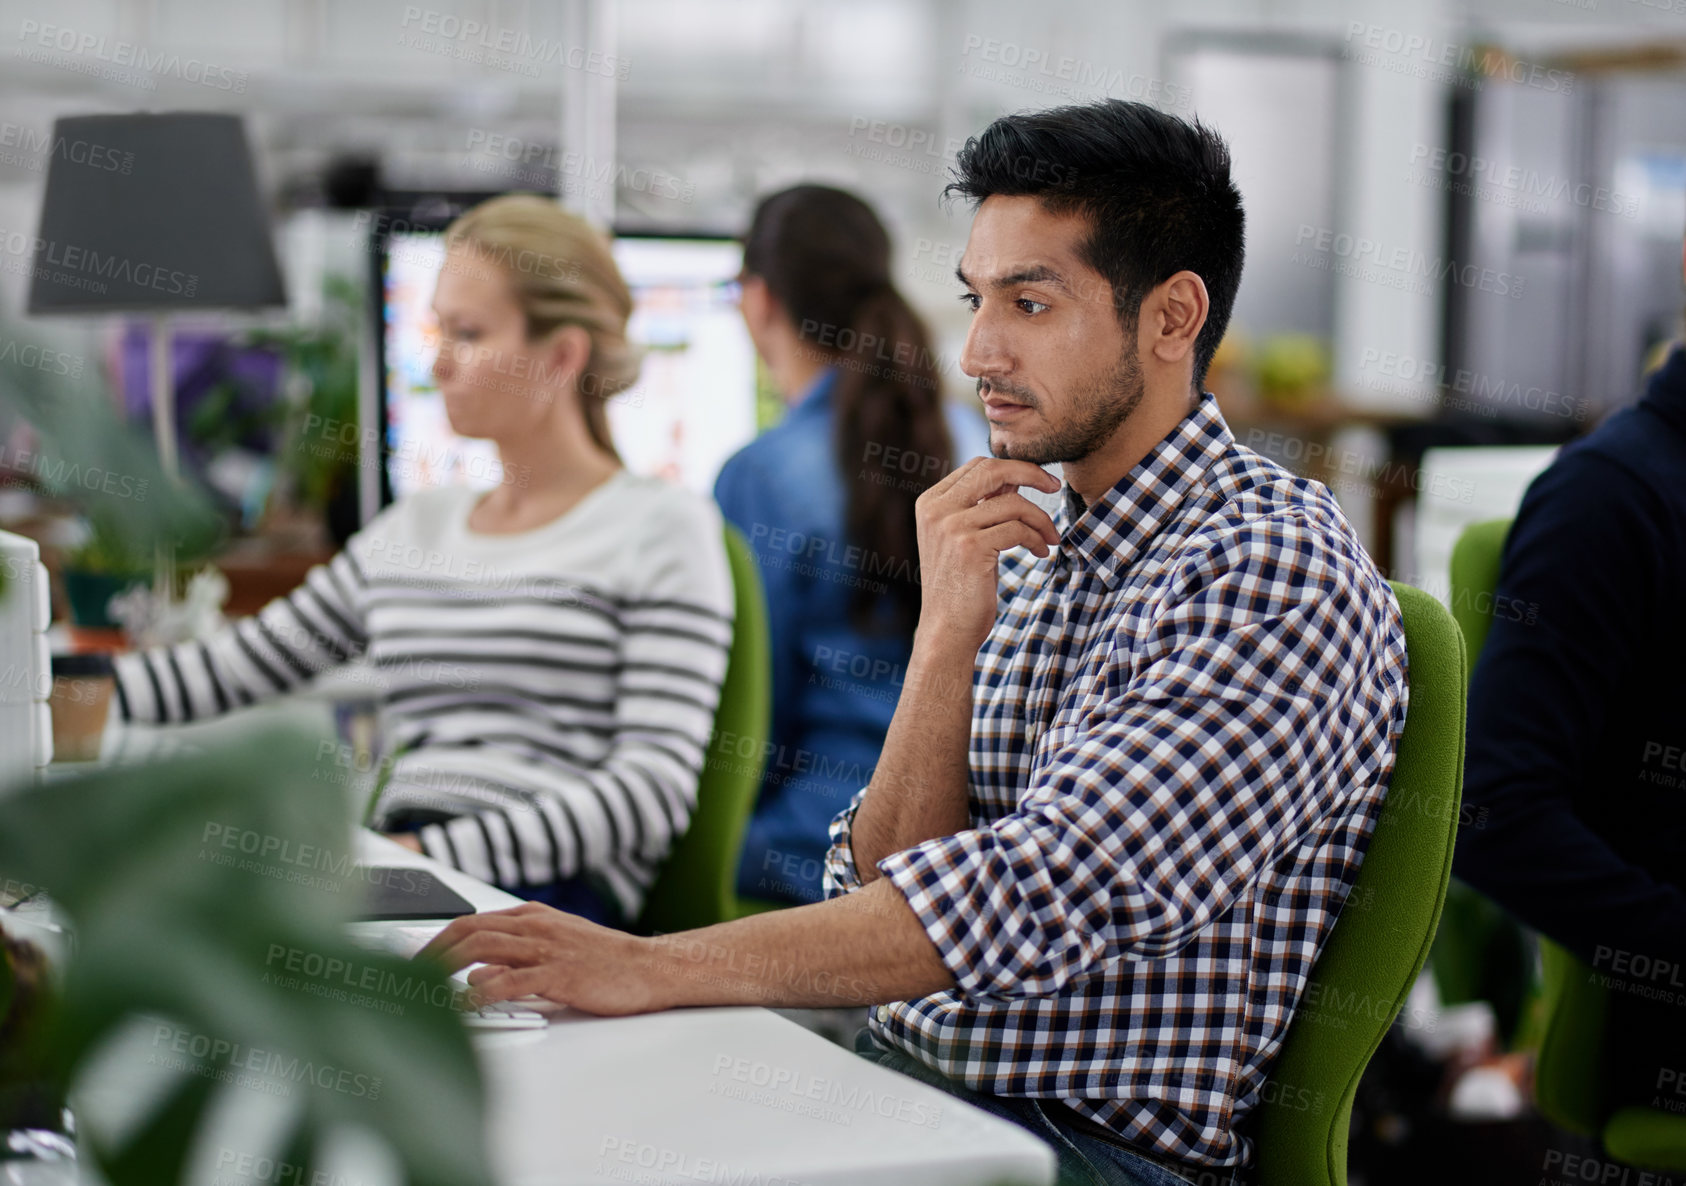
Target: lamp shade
[161,212]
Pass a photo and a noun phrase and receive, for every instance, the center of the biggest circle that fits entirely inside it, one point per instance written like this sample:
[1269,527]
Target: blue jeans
[1084,1160]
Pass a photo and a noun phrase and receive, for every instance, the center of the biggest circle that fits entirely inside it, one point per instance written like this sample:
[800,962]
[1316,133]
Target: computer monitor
[694,403]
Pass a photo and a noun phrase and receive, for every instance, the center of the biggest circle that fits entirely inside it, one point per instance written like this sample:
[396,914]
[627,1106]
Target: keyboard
[405,941]
[505,1015]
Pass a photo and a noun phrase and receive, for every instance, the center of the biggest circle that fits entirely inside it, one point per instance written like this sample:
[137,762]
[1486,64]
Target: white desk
[687,1096]
[717,1095]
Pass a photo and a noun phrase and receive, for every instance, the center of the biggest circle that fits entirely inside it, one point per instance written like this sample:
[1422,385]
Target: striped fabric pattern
[551,692]
[1183,727]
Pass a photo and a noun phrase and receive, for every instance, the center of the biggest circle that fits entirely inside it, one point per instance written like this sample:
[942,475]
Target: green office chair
[1476,559]
[697,885]
[1378,945]
[1568,1070]
[1481,952]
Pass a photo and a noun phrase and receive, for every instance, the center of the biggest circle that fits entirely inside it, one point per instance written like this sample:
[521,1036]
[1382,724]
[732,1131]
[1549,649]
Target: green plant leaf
[209,895]
[106,468]
[325,357]
[159,1151]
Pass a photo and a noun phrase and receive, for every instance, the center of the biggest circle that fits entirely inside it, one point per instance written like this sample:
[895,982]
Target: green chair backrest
[1567,1073]
[697,885]
[1475,581]
[1481,952]
[1568,1069]
[1373,953]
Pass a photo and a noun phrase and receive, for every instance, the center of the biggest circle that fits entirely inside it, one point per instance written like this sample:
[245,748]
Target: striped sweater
[551,692]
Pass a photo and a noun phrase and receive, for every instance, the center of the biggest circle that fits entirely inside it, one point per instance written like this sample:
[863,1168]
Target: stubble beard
[1099,405]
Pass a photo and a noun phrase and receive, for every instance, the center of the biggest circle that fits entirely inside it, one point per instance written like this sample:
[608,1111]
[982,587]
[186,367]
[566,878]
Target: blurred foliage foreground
[88,456]
[210,987]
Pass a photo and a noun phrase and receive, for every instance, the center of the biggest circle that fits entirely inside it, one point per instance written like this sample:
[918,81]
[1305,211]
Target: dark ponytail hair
[825,258]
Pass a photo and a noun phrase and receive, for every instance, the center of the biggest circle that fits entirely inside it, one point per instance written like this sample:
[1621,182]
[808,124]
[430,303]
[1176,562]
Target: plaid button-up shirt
[1183,726]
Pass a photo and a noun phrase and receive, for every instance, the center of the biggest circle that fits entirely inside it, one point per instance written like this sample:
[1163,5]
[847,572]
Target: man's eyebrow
[1034,274]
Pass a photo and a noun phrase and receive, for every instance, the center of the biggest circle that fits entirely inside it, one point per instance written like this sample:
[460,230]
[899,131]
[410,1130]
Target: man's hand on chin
[536,950]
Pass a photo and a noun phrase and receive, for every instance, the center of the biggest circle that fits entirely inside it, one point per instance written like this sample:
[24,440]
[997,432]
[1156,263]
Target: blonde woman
[553,648]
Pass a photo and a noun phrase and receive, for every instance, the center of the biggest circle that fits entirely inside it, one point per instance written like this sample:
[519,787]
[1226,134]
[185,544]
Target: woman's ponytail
[825,258]
[892,445]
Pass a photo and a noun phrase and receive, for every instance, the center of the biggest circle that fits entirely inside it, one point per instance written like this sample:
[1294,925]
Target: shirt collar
[1112,531]
[817,397]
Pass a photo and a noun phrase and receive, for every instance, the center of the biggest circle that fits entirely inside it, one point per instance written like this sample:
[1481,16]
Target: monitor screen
[692,407]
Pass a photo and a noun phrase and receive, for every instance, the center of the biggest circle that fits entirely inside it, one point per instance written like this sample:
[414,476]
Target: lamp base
[163,392]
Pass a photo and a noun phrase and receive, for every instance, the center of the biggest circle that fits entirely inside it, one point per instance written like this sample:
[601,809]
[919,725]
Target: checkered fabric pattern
[1183,726]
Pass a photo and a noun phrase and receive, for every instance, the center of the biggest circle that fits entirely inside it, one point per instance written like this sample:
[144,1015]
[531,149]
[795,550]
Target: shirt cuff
[840,875]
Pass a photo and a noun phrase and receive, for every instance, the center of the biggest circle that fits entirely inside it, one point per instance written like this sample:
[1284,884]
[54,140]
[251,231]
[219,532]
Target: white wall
[727,98]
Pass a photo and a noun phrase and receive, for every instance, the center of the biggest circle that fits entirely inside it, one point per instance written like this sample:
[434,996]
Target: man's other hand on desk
[861,949]
[406,839]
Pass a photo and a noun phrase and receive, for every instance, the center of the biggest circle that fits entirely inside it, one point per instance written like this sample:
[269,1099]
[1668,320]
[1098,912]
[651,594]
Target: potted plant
[318,469]
[211,972]
[84,457]
[1292,371]
[105,564]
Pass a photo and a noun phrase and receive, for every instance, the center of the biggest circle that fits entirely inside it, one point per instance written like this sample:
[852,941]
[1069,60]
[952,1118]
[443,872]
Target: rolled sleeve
[840,875]
[986,900]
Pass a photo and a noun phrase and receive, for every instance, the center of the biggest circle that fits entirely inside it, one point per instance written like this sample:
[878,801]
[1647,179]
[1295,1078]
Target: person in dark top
[1577,725]
[826,500]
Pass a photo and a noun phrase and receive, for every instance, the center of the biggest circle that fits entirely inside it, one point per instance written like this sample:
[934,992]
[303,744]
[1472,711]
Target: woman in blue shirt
[826,500]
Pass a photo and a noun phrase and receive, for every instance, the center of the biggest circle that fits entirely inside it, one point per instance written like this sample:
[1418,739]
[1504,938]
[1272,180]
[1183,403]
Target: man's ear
[1173,315]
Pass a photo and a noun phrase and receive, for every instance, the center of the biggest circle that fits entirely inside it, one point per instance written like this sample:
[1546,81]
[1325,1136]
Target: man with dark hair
[1140,749]
[1154,193]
